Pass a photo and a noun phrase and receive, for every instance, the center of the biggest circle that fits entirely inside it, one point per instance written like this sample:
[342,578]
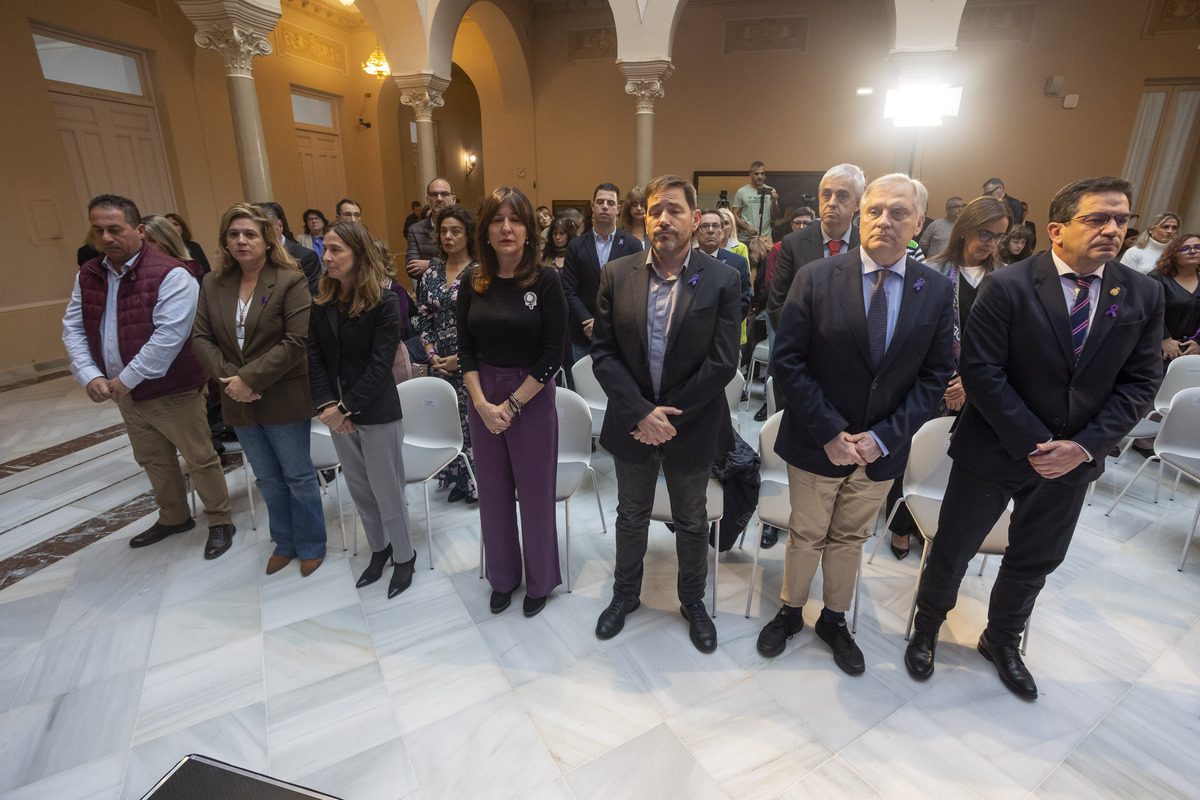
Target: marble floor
[115,663]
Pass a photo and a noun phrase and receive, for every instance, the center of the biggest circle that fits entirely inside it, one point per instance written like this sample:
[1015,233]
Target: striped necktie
[1081,310]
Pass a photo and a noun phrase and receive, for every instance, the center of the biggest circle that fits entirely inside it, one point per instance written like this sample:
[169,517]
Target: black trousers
[1043,521]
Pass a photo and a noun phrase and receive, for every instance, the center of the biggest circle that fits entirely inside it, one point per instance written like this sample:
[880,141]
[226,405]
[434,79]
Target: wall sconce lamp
[377,64]
[469,162]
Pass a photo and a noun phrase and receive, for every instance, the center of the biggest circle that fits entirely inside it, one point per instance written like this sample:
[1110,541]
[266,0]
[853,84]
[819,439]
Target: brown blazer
[273,361]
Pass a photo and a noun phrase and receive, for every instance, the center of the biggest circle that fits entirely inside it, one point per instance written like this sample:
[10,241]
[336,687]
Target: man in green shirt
[753,207]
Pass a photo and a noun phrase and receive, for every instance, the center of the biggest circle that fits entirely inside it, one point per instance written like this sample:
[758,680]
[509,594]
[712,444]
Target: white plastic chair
[589,389]
[574,458]
[325,457]
[769,389]
[233,449]
[433,436]
[715,505]
[760,356]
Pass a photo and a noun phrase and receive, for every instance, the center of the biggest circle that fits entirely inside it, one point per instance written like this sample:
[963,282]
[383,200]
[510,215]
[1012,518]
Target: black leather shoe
[158,531]
[402,575]
[374,570]
[770,536]
[845,652]
[500,601]
[532,605]
[918,656]
[761,414]
[701,628]
[1009,666]
[455,495]
[783,626]
[897,552]
[220,539]
[612,619]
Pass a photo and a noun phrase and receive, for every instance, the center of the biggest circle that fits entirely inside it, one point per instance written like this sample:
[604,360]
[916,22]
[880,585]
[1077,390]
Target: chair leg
[1187,543]
[428,524]
[249,493]
[1158,483]
[912,611]
[881,532]
[596,491]
[481,556]
[982,564]
[1091,491]
[1175,488]
[754,569]
[337,488]
[857,598]
[712,531]
[1131,480]
[567,509]
[1025,638]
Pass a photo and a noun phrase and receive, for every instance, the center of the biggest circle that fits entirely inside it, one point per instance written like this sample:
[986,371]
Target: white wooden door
[321,165]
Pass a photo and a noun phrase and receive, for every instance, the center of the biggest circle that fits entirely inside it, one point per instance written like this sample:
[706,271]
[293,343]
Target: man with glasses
[937,234]
[422,236]
[708,241]
[994,187]
[1060,358]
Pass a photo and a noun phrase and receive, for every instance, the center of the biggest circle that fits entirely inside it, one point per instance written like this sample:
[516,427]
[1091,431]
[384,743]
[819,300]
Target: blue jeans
[288,482]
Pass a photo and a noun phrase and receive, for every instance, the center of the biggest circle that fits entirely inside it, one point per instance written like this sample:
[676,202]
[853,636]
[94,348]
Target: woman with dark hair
[632,218]
[1150,245]
[512,323]
[1017,245]
[185,233]
[970,254]
[250,332]
[1178,270]
[353,335]
[314,231]
[437,320]
[562,230]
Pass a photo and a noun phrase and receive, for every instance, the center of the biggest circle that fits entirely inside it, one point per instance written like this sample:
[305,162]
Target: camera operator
[755,205]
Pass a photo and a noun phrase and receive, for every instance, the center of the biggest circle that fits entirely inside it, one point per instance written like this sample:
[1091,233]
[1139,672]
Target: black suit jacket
[310,265]
[352,362]
[1023,383]
[797,249]
[743,269]
[822,363]
[701,358]
[581,277]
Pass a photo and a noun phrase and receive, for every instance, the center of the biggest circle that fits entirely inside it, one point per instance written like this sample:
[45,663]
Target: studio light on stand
[921,105]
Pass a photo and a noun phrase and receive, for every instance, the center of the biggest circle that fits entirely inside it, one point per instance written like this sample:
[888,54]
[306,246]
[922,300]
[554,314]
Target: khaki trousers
[830,521]
[157,429]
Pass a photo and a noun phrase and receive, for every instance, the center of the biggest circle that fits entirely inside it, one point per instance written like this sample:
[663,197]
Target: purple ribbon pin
[692,281]
[1112,311]
[264,301]
[920,283]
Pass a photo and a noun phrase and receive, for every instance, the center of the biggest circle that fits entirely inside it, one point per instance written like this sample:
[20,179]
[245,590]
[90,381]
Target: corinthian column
[237,29]
[423,93]
[644,80]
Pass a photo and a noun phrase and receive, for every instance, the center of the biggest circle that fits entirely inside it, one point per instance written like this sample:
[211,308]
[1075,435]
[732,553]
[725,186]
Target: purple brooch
[264,300]
[1112,311]
[692,281]
[919,284]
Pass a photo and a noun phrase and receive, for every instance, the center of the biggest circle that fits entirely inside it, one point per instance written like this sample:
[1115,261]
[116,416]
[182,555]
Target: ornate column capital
[422,93]
[644,80]
[237,29]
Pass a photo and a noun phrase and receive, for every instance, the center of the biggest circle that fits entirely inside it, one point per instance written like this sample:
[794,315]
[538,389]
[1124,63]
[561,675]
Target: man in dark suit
[422,235]
[586,256]
[994,187]
[309,263]
[1061,357]
[863,355]
[708,241]
[665,346]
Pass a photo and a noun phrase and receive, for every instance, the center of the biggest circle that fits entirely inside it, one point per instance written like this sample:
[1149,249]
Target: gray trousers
[374,467]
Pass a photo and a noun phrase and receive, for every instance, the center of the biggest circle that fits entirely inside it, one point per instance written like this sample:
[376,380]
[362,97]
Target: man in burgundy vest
[128,333]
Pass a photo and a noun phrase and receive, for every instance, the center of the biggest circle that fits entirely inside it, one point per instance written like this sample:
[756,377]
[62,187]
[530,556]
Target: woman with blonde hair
[353,335]
[250,332]
[632,218]
[1150,245]
[161,234]
[729,231]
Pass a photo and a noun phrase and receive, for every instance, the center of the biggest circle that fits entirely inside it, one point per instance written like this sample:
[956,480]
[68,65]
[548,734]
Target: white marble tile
[205,623]
[60,733]
[105,600]
[318,648]
[429,609]
[833,780]
[188,580]
[318,725]
[747,742]
[95,780]
[53,578]
[382,772]
[528,648]
[182,693]
[112,555]
[27,620]
[239,737]
[655,764]
[555,790]
[664,662]
[14,665]
[72,660]
[286,597]
[488,751]
[437,678]
[587,709]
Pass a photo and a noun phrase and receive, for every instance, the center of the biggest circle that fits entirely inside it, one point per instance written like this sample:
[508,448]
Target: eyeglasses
[1191,248]
[709,226]
[1098,221]
[987,237]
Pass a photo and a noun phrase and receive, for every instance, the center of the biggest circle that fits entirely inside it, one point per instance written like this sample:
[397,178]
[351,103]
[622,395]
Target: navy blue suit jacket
[743,269]
[822,364]
[1023,383]
[581,277]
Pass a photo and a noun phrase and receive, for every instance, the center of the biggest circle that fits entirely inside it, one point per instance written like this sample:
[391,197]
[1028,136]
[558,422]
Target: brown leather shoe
[309,565]
[276,563]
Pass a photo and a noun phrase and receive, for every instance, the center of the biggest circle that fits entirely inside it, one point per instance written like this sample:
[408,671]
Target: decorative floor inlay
[59,450]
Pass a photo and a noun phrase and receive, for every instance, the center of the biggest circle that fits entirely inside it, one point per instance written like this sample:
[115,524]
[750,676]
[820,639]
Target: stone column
[423,93]
[644,80]
[237,30]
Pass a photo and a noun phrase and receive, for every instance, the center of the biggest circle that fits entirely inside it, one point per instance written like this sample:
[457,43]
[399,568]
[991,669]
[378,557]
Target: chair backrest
[928,468]
[574,427]
[771,464]
[321,449]
[769,390]
[1182,373]
[1180,432]
[585,382]
[733,392]
[430,407]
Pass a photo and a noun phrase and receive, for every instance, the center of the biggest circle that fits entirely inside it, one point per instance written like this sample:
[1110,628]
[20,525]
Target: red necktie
[835,246]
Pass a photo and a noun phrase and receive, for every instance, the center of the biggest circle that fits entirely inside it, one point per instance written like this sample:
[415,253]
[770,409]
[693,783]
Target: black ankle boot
[374,570]
[402,575]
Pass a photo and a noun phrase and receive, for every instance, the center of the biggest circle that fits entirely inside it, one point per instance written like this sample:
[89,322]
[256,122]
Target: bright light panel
[919,106]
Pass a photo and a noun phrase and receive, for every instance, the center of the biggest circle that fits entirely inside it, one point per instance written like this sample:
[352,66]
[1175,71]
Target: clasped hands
[859,449]
[101,389]
[239,390]
[443,366]
[655,428]
[1057,458]
[496,418]
[335,420]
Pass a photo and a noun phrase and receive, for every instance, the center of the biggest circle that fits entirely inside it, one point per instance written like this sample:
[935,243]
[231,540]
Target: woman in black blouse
[512,323]
[1178,270]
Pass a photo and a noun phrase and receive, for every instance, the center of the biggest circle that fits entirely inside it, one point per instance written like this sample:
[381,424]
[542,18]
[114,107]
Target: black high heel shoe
[374,570]
[898,552]
[402,575]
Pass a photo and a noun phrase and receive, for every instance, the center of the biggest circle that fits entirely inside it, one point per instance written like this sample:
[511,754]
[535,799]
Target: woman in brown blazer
[250,334]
